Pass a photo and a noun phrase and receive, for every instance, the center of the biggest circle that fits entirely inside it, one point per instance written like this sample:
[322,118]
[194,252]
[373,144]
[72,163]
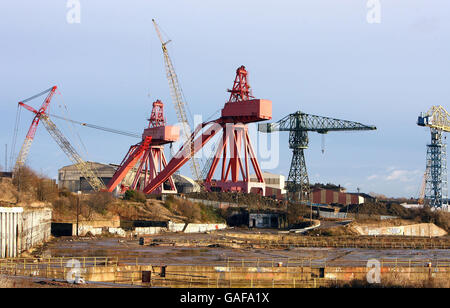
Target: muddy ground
[158,251]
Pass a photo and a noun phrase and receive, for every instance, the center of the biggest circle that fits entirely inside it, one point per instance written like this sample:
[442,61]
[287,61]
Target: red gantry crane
[235,149]
[148,155]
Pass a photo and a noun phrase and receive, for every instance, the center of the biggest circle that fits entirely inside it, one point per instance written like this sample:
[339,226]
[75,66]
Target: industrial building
[275,184]
[70,177]
[185,184]
[329,196]
[272,220]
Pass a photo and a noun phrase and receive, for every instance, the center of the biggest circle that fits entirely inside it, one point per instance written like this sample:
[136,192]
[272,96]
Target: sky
[322,57]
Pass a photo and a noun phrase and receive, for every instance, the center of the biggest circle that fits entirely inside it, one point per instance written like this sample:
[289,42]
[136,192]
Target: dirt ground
[217,255]
[29,282]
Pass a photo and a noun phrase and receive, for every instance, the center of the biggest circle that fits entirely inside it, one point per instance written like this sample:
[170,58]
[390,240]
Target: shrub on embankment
[27,187]
[134,195]
[194,212]
[252,201]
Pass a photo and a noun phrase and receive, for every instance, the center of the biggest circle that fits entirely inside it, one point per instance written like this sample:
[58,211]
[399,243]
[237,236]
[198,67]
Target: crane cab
[423,120]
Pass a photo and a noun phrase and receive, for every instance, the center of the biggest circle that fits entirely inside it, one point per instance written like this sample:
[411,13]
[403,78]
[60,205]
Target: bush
[426,215]
[134,195]
[190,210]
[295,213]
[209,213]
[25,179]
[99,201]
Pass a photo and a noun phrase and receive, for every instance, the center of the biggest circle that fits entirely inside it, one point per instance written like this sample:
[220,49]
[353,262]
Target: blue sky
[321,57]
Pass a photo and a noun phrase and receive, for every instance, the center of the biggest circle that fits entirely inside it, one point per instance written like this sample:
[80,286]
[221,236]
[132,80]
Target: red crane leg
[234,157]
[238,142]
[216,160]
[134,154]
[183,155]
[254,159]
[164,164]
[224,157]
[247,167]
[136,184]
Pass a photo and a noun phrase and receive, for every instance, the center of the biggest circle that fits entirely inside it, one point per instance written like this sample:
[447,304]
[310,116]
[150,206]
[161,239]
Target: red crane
[235,148]
[149,153]
[22,157]
[88,173]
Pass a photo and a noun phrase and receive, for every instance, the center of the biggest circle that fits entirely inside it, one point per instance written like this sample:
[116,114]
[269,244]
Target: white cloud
[403,175]
[399,175]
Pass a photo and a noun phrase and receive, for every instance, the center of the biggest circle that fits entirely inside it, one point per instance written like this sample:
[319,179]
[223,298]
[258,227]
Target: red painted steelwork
[37,117]
[148,155]
[134,154]
[235,149]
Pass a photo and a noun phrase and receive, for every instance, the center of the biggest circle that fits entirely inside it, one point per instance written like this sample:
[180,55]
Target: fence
[288,241]
[215,204]
[230,272]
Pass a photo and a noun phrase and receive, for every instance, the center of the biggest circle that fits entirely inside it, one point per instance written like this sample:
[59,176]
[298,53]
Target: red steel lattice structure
[147,157]
[21,158]
[235,149]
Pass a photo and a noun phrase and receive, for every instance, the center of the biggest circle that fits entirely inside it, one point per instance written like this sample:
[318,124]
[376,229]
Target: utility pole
[18,183]
[78,208]
[6,157]
[357,212]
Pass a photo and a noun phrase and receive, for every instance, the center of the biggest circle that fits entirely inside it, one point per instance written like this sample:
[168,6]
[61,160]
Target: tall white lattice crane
[177,98]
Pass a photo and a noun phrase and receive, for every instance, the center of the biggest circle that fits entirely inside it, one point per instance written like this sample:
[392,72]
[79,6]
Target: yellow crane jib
[437,117]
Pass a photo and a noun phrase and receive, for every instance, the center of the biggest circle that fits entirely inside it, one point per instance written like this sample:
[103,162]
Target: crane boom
[300,121]
[24,150]
[437,117]
[177,98]
[94,181]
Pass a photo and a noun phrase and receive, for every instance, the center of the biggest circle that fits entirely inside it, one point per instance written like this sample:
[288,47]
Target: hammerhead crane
[437,119]
[94,181]
[298,125]
[177,98]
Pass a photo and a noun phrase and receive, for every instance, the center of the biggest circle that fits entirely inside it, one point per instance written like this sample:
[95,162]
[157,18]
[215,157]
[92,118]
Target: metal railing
[231,272]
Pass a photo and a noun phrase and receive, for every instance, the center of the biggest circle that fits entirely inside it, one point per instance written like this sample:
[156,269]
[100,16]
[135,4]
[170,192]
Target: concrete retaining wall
[35,227]
[21,229]
[84,229]
[194,228]
[424,229]
[343,215]
[149,230]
